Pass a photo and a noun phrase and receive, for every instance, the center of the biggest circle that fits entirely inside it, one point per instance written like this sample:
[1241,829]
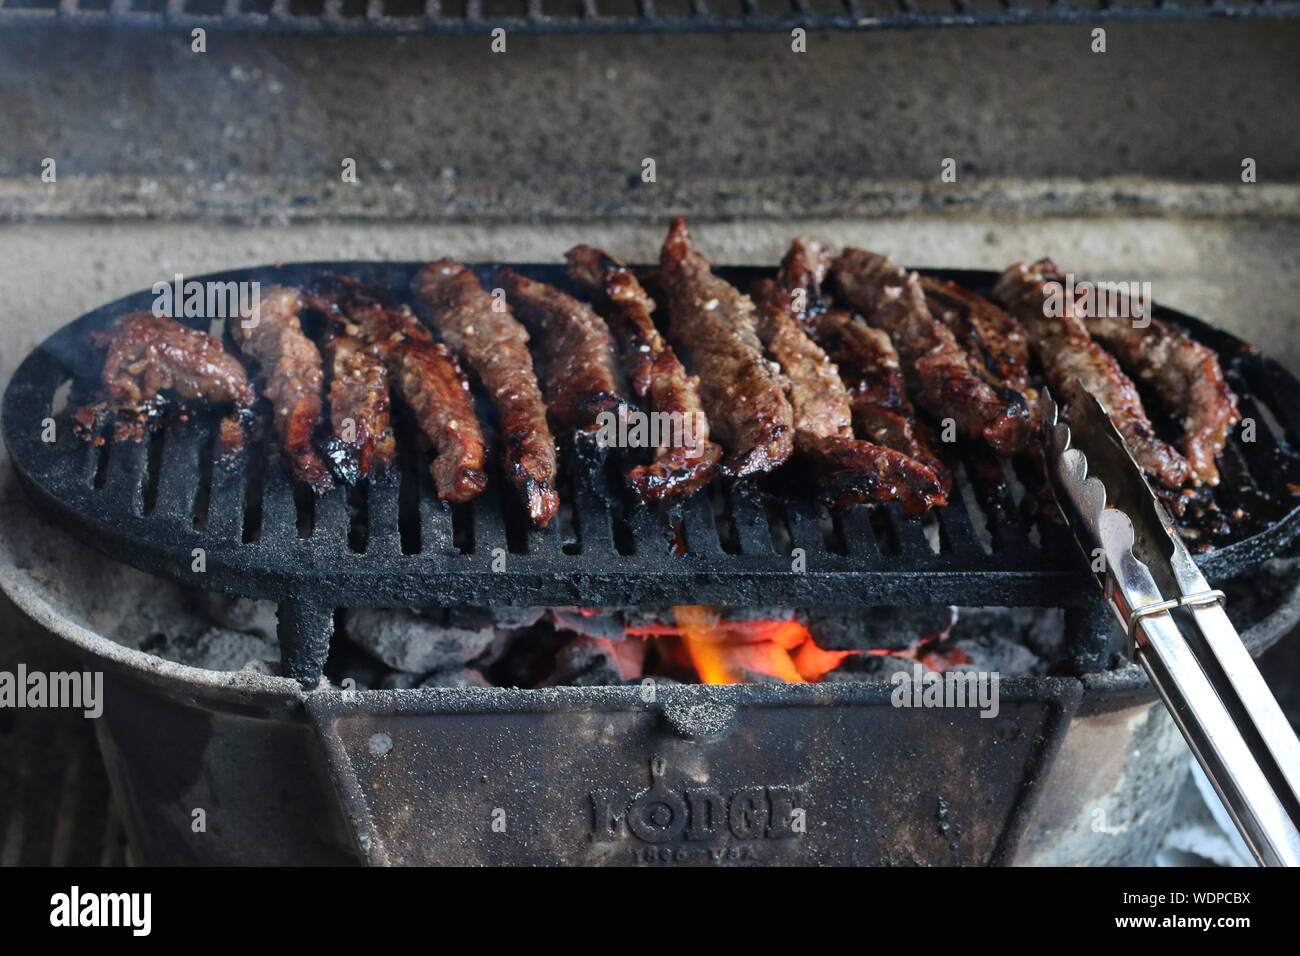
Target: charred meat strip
[573,348]
[1073,361]
[362,439]
[990,335]
[713,324]
[495,346]
[818,399]
[428,379]
[867,361]
[1187,377]
[656,377]
[938,371]
[148,354]
[293,380]
[849,469]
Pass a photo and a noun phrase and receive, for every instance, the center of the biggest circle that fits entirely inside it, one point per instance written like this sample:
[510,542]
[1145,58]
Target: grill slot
[384,511]
[610,16]
[176,489]
[391,542]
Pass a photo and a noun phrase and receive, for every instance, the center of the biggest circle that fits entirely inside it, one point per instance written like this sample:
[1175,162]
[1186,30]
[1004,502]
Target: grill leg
[1088,630]
[305,630]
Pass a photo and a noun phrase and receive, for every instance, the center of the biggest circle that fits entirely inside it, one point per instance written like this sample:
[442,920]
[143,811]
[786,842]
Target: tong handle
[1242,680]
[1210,701]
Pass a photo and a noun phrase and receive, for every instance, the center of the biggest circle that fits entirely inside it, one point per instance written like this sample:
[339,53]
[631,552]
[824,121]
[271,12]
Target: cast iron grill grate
[463,17]
[168,506]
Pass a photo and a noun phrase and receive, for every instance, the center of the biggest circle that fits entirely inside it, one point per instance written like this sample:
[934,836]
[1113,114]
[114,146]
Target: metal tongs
[1177,629]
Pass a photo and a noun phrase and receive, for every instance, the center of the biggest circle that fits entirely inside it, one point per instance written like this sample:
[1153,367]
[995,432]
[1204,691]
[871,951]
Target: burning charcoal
[1042,630]
[506,618]
[603,623]
[591,662]
[398,680]
[870,667]
[873,628]
[1001,655]
[409,641]
[240,613]
[461,677]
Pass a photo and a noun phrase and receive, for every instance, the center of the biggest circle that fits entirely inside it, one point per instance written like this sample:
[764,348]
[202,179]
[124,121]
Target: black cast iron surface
[610,16]
[157,504]
[829,775]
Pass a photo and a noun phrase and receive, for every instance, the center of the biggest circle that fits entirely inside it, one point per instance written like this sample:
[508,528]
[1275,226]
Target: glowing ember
[737,652]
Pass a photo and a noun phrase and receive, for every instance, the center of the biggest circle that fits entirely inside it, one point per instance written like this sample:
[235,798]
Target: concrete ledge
[378,197]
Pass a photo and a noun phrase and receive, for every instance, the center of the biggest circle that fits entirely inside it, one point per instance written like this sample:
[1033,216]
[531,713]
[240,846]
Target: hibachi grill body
[676,775]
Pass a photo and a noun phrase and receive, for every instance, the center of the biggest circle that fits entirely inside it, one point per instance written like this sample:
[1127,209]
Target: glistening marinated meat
[939,373]
[1074,362]
[149,354]
[868,363]
[849,469]
[293,380]
[818,399]
[713,324]
[656,378]
[362,440]
[495,346]
[574,352]
[1187,377]
[997,341]
[429,380]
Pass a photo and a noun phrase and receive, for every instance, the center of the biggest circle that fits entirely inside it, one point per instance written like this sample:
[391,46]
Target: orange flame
[733,652]
[727,652]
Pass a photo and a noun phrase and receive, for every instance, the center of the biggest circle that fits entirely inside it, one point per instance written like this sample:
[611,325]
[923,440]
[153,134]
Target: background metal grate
[465,17]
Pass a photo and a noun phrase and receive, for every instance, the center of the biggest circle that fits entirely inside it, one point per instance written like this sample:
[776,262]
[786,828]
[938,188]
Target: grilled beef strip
[293,380]
[1074,362]
[713,324]
[867,361]
[849,469]
[818,399]
[939,373]
[573,352]
[495,346]
[1187,377]
[655,376]
[362,440]
[990,335]
[148,354]
[427,377]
